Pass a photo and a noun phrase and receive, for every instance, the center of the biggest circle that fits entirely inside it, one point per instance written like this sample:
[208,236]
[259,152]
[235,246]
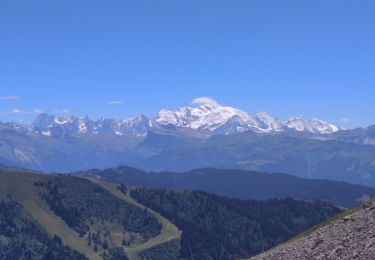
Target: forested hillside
[220,228]
[75,213]
[83,205]
[21,237]
[49,216]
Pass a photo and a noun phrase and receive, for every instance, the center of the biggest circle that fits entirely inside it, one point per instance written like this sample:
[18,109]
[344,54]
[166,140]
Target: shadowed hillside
[241,184]
[220,228]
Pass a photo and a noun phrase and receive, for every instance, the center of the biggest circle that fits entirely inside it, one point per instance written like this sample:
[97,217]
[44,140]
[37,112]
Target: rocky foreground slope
[350,236]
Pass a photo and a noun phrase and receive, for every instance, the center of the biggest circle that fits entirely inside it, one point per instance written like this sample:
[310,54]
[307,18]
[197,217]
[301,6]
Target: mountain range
[205,135]
[207,119]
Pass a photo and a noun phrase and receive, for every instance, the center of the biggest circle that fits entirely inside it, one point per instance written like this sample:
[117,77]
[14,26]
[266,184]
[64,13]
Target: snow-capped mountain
[206,117]
[315,126]
[57,126]
[217,119]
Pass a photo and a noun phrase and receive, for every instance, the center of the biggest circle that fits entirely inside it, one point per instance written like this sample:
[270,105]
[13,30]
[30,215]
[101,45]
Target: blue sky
[289,58]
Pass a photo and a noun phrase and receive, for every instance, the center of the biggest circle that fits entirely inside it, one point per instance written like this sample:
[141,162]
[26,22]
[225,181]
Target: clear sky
[288,58]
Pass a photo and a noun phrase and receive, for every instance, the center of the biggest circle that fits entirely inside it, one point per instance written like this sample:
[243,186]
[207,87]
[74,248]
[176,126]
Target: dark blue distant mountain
[240,184]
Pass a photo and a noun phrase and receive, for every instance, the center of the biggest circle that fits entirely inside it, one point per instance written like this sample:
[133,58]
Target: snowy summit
[205,115]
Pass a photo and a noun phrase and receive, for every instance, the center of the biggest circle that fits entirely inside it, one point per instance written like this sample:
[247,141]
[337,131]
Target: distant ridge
[240,184]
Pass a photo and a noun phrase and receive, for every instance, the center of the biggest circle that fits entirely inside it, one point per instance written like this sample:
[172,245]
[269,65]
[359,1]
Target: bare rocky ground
[351,236]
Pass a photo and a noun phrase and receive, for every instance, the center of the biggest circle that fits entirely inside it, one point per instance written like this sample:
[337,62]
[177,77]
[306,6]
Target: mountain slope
[43,153]
[345,237]
[218,228]
[334,160]
[23,238]
[20,186]
[358,135]
[168,232]
[299,156]
[87,217]
[240,184]
[105,221]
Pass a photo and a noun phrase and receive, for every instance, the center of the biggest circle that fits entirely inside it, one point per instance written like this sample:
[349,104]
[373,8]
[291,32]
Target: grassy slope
[21,187]
[169,230]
